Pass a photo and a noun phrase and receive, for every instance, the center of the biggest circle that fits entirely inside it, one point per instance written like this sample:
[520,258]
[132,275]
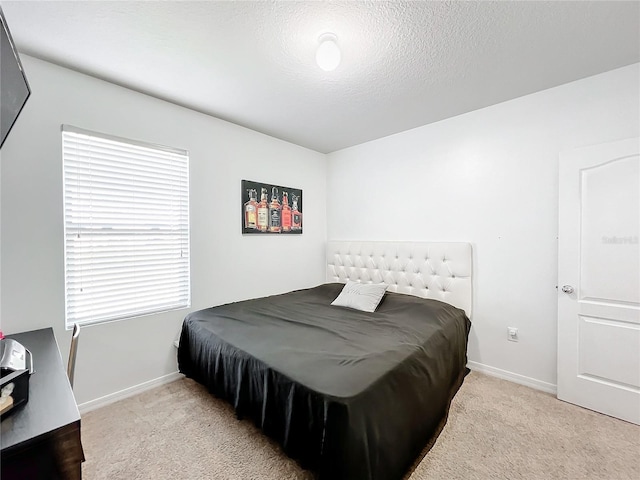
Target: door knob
[567,289]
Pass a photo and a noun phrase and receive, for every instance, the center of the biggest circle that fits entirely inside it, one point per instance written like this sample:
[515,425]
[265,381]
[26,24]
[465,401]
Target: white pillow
[361,296]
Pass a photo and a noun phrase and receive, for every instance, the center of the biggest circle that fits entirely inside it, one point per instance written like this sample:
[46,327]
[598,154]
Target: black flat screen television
[14,89]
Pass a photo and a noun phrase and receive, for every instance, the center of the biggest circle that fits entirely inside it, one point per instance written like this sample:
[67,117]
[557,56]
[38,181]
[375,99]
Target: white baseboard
[128,392]
[514,377]
[475,366]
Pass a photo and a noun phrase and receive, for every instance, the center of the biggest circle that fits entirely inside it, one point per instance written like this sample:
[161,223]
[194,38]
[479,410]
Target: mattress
[348,394]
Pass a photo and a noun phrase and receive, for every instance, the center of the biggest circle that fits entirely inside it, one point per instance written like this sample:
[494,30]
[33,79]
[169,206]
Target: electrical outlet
[512,334]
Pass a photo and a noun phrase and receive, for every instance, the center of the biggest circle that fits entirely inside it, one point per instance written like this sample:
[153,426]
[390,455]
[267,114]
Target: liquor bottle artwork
[274,212]
[263,212]
[296,221]
[251,210]
[286,213]
[270,209]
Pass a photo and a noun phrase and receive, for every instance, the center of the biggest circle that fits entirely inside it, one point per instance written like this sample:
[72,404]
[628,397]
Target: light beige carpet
[496,430]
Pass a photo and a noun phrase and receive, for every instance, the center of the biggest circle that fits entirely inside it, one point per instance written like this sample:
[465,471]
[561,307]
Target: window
[126,219]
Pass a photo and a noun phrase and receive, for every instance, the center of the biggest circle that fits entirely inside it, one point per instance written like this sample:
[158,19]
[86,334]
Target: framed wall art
[271,209]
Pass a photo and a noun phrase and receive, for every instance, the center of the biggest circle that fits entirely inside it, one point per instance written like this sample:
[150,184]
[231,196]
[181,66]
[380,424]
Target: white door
[599,279]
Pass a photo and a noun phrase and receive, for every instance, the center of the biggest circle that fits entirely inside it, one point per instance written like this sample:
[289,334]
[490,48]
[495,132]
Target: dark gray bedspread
[350,395]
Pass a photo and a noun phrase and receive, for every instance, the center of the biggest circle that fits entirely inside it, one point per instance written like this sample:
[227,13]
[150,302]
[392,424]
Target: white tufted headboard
[438,270]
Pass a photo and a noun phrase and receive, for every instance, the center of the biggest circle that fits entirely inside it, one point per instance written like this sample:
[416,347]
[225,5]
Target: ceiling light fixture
[328,54]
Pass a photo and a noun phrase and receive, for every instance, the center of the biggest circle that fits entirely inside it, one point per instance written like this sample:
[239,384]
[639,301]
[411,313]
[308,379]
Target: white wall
[489,177]
[225,266]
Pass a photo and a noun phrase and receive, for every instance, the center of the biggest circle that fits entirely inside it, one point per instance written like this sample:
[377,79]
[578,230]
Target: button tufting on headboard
[448,280]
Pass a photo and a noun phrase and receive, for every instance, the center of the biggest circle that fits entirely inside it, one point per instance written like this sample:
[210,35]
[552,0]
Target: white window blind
[126,210]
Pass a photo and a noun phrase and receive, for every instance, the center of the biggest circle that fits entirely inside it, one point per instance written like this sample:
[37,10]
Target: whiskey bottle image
[286,213]
[251,210]
[296,216]
[274,212]
[263,211]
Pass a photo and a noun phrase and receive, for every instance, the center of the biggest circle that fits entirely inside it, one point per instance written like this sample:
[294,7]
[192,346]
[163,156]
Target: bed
[348,394]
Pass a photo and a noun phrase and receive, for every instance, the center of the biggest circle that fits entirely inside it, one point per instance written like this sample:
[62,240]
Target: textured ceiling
[404,64]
